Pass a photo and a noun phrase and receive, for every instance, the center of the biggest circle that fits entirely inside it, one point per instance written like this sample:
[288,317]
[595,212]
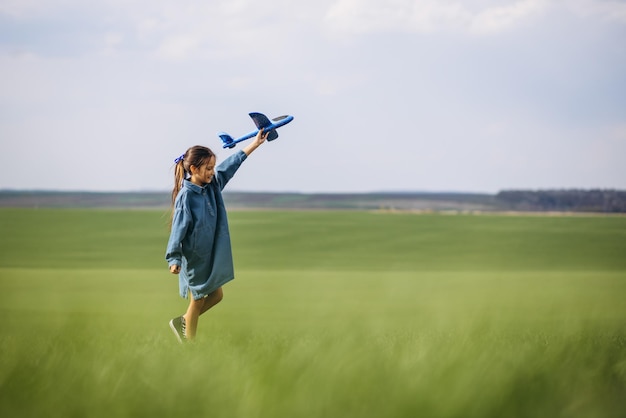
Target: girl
[199,245]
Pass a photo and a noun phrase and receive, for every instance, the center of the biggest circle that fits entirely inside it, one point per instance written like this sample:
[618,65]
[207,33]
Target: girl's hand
[261,137]
[174,269]
[258,140]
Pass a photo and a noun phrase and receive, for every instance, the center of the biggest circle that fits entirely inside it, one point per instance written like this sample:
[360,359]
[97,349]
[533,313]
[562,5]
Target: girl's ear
[193,169]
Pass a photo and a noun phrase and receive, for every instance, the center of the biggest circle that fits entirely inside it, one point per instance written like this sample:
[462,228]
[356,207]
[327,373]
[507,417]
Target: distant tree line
[571,200]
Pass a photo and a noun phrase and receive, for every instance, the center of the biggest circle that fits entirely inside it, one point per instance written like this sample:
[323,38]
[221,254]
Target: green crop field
[332,314]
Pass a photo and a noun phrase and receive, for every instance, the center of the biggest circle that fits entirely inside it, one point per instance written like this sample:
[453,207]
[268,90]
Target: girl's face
[204,174]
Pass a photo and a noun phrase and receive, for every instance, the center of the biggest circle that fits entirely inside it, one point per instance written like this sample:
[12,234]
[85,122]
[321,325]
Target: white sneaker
[178,327]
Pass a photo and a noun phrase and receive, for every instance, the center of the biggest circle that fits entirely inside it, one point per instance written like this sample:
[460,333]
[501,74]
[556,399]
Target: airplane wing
[261,121]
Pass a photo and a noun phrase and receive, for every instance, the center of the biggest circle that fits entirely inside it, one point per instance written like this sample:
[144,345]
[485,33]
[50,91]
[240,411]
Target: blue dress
[200,240]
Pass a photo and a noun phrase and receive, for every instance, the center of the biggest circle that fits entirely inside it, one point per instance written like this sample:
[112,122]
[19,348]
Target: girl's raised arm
[258,140]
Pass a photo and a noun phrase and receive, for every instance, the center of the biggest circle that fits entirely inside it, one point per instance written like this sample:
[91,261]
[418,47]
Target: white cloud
[498,19]
[179,47]
[240,83]
[332,85]
[216,29]
[356,16]
[476,17]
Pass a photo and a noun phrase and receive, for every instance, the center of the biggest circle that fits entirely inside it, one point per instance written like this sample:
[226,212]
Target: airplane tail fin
[227,140]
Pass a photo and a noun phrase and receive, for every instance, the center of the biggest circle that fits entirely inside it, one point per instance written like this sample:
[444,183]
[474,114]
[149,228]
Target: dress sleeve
[227,169]
[180,224]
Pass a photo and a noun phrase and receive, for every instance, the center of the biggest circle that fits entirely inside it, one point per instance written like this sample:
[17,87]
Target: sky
[387,95]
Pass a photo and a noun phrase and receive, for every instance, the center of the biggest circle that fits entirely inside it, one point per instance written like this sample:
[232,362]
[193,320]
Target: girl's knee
[212,299]
[218,295]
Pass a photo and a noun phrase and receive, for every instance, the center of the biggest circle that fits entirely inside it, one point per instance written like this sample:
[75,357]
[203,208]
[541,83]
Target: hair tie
[179,159]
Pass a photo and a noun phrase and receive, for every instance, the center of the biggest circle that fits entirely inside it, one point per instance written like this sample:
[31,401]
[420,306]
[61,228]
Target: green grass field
[346,314]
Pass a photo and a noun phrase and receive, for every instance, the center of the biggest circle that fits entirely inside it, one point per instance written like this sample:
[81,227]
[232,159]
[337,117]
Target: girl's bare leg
[197,308]
[191,317]
[212,299]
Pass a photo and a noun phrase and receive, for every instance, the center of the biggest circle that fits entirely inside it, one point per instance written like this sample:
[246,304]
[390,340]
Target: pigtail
[179,176]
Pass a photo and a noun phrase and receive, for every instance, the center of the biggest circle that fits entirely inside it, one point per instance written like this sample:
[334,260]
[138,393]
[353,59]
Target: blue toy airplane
[262,122]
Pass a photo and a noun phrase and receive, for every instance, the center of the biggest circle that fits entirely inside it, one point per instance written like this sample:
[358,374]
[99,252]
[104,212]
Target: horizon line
[387,192]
